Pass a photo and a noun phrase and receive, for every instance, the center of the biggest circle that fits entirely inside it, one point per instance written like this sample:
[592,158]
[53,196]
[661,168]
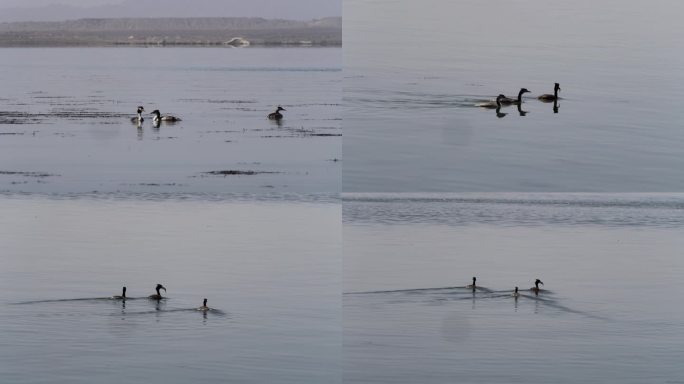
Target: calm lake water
[65,119]
[609,311]
[269,267]
[414,70]
[91,202]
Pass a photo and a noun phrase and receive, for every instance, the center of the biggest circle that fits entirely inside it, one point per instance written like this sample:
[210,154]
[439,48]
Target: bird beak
[162,287]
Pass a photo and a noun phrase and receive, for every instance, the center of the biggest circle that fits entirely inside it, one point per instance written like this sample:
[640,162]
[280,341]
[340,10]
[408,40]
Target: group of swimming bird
[157,296]
[516,293]
[502,100]
[158,117]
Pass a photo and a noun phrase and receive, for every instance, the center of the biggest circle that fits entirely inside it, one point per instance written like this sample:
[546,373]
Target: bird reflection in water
[500,114]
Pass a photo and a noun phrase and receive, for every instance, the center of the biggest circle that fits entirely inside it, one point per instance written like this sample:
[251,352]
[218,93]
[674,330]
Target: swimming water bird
[492,104]
[123,295]
[158,296]
[276,115]
[518,101]
[158,117]
[516,293]
[536,288]
[473,286]
[204,306]
[138,119]
[547,98]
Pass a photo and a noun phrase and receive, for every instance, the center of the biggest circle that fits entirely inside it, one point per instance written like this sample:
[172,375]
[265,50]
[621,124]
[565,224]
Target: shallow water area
[65,120]
[609,264]
[269,268]
[414,72]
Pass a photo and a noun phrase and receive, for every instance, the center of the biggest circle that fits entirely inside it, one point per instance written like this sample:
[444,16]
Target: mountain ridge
[60,10]
[171,30]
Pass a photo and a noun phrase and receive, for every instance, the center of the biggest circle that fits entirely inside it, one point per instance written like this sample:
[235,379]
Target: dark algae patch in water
[232,172]
[16,117]
[27,174]
[299,133]
[13,117]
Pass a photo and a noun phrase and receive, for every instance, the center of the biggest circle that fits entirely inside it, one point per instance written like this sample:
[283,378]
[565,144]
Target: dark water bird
[536,288]
[492,104]
[516,293]
[204,306]
[158,296]
[473,286]
[159,117]
[547,98]
[123,295]
[518,101]
[276,115]
[138,119]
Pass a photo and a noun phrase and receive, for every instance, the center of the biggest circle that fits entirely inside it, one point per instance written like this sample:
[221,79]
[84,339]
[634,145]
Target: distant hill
[60,10]
[172,31]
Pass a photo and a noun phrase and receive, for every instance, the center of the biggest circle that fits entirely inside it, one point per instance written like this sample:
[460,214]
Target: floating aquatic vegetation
[231,172]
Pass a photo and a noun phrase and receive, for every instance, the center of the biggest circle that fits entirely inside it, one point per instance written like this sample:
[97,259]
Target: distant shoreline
[178,45]
[174,32]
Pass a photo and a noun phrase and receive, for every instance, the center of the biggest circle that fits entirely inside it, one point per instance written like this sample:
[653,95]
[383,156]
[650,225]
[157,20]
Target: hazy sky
[52,10]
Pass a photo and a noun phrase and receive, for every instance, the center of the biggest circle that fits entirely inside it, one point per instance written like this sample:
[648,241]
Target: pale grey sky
[54,10]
